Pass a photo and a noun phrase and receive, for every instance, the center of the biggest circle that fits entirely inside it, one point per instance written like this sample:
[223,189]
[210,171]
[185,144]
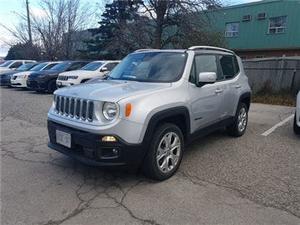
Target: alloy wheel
[168,152]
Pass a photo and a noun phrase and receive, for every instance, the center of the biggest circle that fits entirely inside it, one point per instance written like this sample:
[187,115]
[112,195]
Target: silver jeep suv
[149,107]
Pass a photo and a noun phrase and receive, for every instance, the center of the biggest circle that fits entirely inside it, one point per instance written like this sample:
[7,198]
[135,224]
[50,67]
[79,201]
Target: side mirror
[104,69]
[206,78]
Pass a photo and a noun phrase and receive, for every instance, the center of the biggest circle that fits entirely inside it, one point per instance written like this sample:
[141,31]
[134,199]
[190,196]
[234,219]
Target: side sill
[209,129]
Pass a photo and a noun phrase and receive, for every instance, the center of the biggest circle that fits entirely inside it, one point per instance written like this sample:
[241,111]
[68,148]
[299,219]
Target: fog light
[109,139]
[108,153]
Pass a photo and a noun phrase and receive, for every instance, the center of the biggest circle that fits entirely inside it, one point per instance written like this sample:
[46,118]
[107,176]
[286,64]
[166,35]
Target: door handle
[218,91]
[237,86]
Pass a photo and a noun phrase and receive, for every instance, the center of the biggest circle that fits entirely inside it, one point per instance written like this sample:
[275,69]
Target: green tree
[117,34]
[133,24]
[23,51]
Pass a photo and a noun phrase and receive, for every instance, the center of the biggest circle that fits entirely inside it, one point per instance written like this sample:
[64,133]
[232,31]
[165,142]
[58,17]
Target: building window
[247,18]
[232,30]
[261,16]
[277,25]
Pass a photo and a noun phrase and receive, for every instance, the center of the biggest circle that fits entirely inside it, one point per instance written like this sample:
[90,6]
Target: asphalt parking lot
[254,179]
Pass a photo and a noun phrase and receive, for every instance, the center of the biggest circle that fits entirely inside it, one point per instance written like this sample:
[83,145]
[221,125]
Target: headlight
[72,77]
[110,110]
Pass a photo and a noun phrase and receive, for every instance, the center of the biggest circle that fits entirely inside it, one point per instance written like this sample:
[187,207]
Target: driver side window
[204,63]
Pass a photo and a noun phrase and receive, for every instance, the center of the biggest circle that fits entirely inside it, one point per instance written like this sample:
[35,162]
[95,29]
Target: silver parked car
[149,107]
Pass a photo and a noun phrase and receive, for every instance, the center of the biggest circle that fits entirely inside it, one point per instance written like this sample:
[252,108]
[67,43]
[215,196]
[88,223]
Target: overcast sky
[9,8]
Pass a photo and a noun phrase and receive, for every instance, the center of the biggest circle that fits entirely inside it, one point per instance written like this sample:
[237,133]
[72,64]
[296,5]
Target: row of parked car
[48,76]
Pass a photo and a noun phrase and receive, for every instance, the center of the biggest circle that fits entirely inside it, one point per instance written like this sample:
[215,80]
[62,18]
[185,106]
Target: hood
[25,73]
[4,70]
[79,73]
[9,73]
[111,90]
[44,72]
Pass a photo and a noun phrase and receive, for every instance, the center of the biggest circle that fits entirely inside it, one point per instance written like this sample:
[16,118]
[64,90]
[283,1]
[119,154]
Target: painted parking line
[281,123]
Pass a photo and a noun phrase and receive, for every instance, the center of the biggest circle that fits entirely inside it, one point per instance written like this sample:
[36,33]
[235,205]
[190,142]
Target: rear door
[205,101]
[232,84]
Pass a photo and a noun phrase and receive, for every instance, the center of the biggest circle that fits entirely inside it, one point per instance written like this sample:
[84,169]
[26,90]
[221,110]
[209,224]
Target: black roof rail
[210,48]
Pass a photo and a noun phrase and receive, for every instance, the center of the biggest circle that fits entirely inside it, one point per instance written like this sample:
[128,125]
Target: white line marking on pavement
[281,123]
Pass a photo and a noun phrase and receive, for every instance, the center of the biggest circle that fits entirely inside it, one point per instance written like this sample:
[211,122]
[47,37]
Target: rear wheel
[51,86]
[296,128]
[240,123]
[165,152]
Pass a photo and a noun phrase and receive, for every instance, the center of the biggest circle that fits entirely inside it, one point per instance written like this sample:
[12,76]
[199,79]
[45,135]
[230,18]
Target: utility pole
[28,22]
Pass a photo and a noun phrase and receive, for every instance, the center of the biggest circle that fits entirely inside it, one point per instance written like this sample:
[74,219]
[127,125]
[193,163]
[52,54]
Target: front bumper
[64,83]
[18,83]
[89,149]
[5,82]
[297,115]
[36,85]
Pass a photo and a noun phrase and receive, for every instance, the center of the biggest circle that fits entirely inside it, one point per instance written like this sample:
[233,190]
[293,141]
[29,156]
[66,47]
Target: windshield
[61,66]
[25,67]
[5,64]
[92,66]
[38,67]
[150,67]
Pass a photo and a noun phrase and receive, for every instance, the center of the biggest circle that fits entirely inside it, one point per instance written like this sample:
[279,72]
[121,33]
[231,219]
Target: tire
[239,126]
[167,165]
[296,128]
[51,86]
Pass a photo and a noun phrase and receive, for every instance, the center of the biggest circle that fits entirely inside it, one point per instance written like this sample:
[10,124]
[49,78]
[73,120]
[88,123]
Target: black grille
[62,78]
[74,107]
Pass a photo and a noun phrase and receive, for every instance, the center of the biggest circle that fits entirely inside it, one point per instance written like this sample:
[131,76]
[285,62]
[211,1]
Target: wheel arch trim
[164,115]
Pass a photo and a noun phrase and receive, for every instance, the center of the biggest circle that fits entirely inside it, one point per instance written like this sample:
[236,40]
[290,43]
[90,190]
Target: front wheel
[240,123]
[296,128]
[165,152]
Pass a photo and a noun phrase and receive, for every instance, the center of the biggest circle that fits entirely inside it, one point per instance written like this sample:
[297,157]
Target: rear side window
[110,66]
[76,66]
[16,65]
[229,66]
[50,66]
[204,63]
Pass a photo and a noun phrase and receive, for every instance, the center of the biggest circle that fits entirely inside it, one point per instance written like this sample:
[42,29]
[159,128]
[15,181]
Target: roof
[248,4]
[192,48]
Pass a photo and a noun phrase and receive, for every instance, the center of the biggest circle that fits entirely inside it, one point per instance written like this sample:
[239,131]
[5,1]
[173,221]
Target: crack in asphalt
[241,192]
[84,205]
[122,204]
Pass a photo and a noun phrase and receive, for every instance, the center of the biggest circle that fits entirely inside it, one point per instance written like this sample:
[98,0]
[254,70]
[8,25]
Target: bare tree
[167,16]
[62,19]
[53,31]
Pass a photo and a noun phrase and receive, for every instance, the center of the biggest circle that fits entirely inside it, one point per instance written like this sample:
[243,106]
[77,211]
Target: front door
[205,101]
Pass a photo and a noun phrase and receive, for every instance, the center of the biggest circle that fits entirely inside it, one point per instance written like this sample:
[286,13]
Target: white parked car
[92,70]
[297,116]
[12,65]
[20,79]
